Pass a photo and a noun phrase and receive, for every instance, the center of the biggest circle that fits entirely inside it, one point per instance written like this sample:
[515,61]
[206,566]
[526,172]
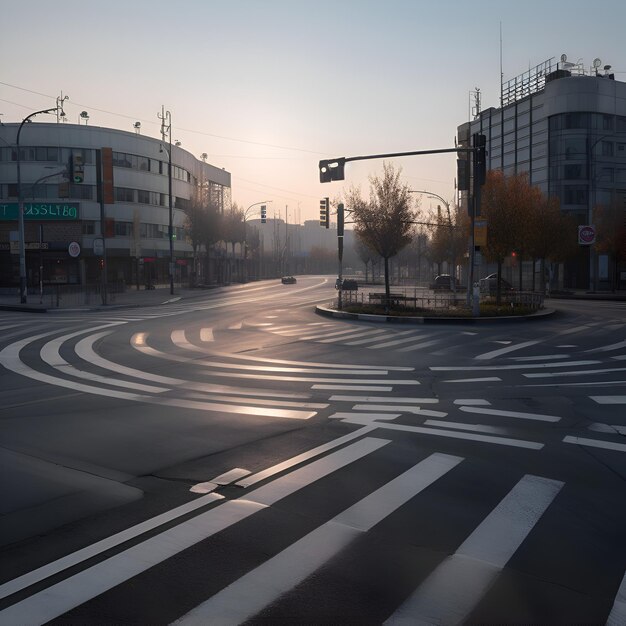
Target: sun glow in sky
[268,88]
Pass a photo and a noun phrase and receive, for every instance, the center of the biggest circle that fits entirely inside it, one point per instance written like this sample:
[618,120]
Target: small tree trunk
[387,290]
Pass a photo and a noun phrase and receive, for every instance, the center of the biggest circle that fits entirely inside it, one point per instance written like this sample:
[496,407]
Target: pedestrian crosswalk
[259,548]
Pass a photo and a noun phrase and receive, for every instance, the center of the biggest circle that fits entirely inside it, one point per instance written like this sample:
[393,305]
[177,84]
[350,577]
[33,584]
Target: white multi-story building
[123,199]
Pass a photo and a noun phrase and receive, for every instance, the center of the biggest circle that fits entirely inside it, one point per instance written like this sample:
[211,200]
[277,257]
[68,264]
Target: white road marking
[231,476]
[609,348]
[480,428]
[359,342]
[304,456]
[515,414]
[609,399]
[617,616]
[415,410]
[332,336]
[574,373]
[351,387]
[252,592]
[450,593]
[596,443]
[488,379]
[67,594]
[237,326]
[545,357]
[205,487]
[500,351]
[419,346]
[384,399]
[612,429]
[473,402]
[53,568]
[367,416]
[451,434]
[206,334]
[481,368]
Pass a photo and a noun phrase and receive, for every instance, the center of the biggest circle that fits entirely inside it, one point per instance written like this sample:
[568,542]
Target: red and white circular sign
[586,235]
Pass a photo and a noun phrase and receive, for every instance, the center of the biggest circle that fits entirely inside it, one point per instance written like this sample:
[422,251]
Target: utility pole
[166,116]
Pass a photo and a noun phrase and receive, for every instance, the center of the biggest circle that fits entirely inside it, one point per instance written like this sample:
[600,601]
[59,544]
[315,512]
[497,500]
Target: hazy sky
[267,88]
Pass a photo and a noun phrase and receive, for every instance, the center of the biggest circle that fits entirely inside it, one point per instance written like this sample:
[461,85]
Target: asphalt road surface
[237,458]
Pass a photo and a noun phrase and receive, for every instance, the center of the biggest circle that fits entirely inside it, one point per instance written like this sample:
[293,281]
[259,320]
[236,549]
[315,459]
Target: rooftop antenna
[137,127]
[596,64]
[501,72]
[60,112]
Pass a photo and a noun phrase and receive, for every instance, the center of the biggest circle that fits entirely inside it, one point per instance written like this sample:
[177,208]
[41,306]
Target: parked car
[489,284]
[288,280]
[442,282]
[348,284]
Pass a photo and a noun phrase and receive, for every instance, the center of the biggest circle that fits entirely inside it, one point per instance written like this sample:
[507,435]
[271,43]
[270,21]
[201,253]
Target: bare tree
[385,222]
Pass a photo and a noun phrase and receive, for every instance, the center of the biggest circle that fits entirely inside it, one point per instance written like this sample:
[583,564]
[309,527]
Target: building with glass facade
[99,187]
[566,127]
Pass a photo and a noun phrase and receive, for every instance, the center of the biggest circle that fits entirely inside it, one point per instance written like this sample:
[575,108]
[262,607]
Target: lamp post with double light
[245,245]
[20,204]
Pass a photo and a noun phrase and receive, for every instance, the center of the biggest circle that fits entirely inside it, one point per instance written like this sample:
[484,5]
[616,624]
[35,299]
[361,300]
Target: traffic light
[480,158]
[263,214]
[332,169]
[340,220]
[325,212]
[78,168]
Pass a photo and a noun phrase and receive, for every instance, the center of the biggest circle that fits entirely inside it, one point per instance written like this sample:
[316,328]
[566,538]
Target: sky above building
[268,88]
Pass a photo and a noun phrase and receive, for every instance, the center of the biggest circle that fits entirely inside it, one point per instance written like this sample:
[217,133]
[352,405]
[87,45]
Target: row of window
[50,154]
[126,229]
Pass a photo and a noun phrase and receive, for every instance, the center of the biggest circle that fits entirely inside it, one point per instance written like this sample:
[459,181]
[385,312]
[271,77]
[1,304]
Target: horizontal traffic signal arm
[333,169]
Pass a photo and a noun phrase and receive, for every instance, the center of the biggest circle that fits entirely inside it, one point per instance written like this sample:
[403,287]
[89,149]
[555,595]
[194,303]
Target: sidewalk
[130,298]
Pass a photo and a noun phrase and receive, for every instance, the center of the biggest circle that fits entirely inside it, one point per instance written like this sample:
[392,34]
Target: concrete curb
[392,319]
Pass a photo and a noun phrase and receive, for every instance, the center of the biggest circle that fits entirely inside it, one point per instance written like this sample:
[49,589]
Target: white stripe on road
[574,373]
[450,593]
[251,593]
[50,569]
[384,399]
[300,458]
[363,388]
[206,334]
[366,416]
[526,366]
[609,348]
[479,428]
[415,410]
[385,335]
[57,599]
[515,414]
[451,434]
[500,351]
[488,379]
[545,357]
[419,346]
[596,443]
[609,399]
[472,402]
[617,617]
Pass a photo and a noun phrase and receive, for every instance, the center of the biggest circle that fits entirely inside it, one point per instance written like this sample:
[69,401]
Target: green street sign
[33,211]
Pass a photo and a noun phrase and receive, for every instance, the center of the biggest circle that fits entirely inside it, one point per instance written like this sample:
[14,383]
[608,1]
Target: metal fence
[55,296]
[421,300]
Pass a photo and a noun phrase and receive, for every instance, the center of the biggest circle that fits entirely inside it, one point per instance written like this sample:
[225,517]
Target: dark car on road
[442,283]
[489,284]
[288,280]
[348,284]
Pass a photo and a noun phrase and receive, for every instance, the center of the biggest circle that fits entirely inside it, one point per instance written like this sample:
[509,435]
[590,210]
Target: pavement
[133,297]
[130,298]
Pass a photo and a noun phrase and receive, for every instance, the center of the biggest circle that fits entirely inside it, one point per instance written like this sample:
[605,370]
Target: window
[575,194]
[572,172]
[124,194]
[123,229]
[607,148]
[88,227]
[81,192]
[143,196]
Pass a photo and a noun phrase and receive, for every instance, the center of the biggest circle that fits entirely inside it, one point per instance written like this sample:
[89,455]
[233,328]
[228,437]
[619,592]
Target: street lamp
[431,194]
[167,117]
[20,204]
[245,245]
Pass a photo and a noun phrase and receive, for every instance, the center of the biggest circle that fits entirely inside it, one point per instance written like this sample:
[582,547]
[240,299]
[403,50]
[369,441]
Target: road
[238,458]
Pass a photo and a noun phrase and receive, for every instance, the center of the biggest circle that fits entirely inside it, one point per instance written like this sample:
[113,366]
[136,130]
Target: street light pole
[245,246]
[166,116]
[20,205]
